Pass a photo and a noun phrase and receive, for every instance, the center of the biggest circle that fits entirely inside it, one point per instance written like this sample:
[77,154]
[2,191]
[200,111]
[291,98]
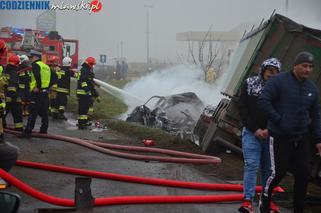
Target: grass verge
[108,107]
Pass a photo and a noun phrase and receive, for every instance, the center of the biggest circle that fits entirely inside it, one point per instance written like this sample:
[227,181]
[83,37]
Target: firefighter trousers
[83,107]
[52,103]
[39,106]
[14,106]
[61,102]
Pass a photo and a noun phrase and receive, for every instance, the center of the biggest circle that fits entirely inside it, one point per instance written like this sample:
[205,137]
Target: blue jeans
[256,156]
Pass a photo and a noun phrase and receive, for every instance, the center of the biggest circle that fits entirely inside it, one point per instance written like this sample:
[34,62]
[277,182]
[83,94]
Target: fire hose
[136,179]
[119,199]
[125,199]
[202,159]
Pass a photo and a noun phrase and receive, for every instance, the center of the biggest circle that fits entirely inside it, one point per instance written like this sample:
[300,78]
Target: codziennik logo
[90,6]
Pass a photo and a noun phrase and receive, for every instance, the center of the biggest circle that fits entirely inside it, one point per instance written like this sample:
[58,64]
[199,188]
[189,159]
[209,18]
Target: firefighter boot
[25,111]
[61,114]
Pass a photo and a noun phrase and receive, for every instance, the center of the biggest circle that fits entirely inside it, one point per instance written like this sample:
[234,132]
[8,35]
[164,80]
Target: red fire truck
[20,41]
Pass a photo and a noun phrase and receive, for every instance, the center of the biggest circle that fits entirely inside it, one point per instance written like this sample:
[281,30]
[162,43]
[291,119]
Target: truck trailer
[279,37]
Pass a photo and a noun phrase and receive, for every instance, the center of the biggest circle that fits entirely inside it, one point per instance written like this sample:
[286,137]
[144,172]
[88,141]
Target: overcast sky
[125,21]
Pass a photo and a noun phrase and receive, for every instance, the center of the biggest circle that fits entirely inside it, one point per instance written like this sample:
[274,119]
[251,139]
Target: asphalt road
[67,154]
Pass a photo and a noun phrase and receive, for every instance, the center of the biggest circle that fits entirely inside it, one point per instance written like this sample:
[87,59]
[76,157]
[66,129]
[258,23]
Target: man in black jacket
[291,102]
[255,135]
[42,78]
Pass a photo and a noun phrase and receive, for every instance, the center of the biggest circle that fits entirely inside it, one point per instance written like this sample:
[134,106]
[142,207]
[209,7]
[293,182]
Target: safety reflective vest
[2,77]
[45,74]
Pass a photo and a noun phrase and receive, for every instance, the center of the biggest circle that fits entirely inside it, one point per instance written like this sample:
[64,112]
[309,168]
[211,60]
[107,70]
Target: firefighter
[2,86]
[8,152]
[41,79]
[85,91]
[63,87]
[53,63]
[210,75]
[13,100]
[24,79]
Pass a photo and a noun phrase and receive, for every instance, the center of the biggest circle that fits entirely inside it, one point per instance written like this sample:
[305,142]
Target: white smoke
[174,80]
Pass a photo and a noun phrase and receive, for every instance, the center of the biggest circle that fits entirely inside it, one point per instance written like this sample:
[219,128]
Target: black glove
[95,93]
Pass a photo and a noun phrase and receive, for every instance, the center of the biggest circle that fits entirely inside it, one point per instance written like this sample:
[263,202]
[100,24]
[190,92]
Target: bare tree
[209,54]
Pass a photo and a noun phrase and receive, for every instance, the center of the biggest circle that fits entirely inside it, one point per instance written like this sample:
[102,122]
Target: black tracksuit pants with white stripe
[290,154]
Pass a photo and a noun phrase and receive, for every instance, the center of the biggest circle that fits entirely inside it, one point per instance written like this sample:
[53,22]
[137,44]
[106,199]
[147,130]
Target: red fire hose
[129,199]
[136,179]
[149,149]
[192,159]
[121,199]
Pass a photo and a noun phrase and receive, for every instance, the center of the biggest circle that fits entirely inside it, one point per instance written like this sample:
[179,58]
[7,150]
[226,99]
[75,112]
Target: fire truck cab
[20,41]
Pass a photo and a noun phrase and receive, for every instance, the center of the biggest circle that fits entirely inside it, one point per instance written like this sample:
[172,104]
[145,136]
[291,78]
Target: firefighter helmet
[24,58]
[91,61]
[66,61]
[14,60]
[53,60]
[2,46]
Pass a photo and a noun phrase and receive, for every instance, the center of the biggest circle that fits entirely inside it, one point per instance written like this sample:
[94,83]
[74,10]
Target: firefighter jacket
[85,84]
[12,87]
[42,77]
[24,78]
[2,87]
[55,70]
[63,81]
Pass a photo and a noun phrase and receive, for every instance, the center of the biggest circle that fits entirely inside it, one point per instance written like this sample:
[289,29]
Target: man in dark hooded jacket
[255,135]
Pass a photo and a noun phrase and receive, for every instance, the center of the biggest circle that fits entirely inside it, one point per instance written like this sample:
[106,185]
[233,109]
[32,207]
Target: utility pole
[148,61]
[121,50]
[286,7]
[118,50]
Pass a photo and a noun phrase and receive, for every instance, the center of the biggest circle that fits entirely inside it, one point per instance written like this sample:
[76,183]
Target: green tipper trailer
[278,37]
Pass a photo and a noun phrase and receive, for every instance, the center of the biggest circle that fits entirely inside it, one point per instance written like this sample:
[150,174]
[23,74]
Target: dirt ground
[230,170]
[68,154]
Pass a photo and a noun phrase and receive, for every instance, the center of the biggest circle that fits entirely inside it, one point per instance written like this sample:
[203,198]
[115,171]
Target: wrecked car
[176,114]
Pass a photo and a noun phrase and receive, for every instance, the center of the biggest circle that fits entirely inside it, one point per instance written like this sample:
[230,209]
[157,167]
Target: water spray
[119,93]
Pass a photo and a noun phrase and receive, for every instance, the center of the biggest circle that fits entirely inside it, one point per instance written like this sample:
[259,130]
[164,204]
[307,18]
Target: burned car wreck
[176,114]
